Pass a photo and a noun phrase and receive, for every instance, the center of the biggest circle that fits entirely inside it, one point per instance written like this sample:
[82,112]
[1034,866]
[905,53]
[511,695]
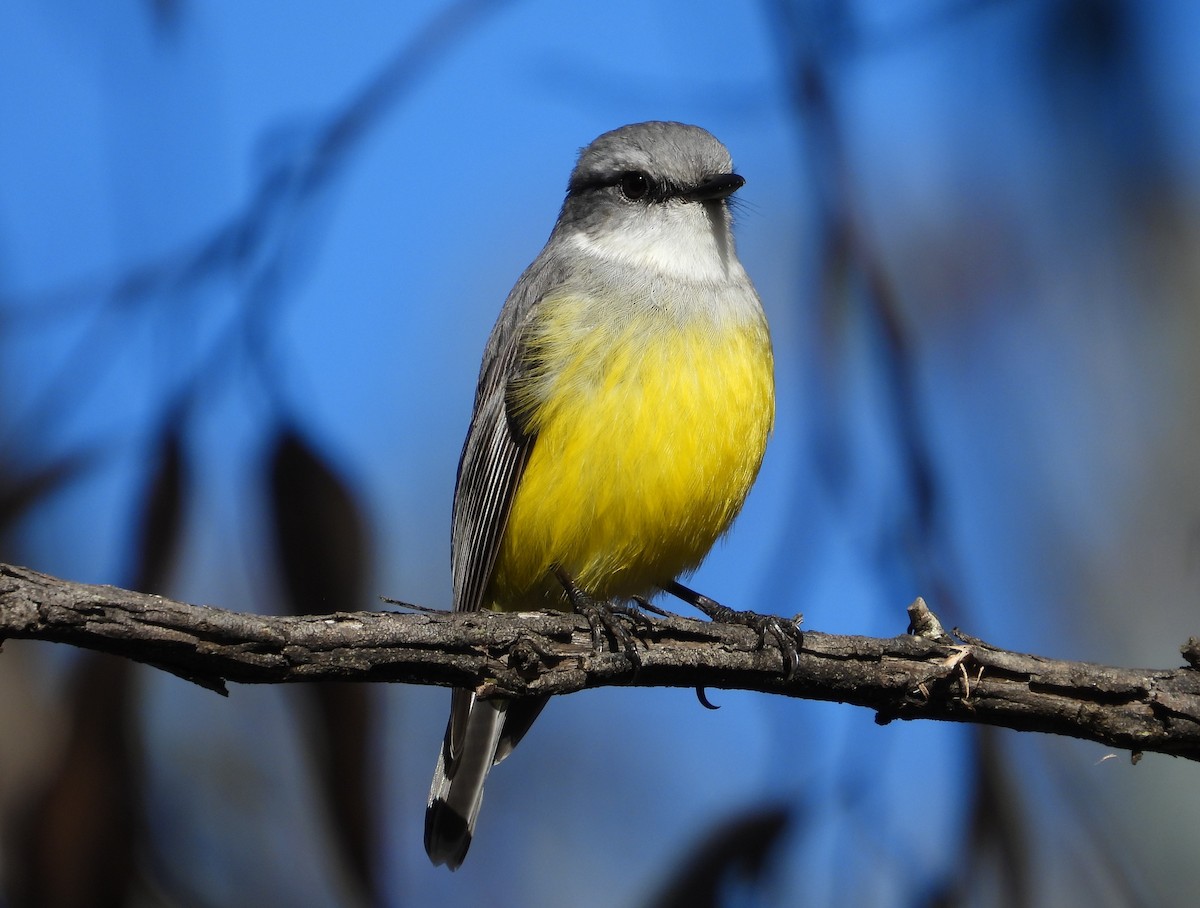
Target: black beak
[718,186]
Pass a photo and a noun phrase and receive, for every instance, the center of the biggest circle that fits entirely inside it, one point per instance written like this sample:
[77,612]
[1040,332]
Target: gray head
[653,193]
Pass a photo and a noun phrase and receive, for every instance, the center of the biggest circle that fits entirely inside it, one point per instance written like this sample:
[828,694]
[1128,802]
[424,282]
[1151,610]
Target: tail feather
[457,789]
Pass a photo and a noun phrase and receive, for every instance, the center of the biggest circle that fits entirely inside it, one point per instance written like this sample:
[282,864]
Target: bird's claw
[786,634]
[605,620]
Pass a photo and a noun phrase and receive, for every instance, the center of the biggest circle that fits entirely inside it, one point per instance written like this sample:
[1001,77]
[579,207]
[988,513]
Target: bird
[621,416]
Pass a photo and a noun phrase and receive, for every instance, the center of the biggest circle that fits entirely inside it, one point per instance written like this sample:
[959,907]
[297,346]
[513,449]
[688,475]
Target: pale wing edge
[496,450]
[493,460]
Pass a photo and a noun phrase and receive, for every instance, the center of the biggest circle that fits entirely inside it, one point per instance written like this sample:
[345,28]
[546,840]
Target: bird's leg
[786,634]
[603,617]
[645,604]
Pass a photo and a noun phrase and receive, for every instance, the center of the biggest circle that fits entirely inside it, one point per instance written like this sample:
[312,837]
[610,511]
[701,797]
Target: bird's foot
[786,634]
[607,620]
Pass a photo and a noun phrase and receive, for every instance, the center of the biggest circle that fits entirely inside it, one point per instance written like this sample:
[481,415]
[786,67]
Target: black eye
[634,184]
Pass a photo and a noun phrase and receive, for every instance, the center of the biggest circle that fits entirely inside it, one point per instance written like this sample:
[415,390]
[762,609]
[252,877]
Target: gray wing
[493,459]
[497,448]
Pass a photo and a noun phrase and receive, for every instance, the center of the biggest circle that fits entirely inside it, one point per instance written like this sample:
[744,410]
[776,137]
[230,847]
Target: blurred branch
[913,676]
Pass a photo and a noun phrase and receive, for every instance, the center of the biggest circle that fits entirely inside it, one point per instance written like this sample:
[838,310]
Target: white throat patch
[678,241]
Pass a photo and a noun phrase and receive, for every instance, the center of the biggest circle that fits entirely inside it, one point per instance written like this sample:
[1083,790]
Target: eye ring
[634,185]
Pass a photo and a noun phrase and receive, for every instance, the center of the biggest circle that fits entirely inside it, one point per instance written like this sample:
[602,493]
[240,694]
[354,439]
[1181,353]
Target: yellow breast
[650,431]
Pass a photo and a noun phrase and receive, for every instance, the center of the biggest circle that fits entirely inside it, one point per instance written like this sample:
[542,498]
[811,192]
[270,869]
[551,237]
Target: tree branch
[923,676]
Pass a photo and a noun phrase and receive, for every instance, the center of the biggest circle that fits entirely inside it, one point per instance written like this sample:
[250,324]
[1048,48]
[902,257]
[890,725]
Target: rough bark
[921,675]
